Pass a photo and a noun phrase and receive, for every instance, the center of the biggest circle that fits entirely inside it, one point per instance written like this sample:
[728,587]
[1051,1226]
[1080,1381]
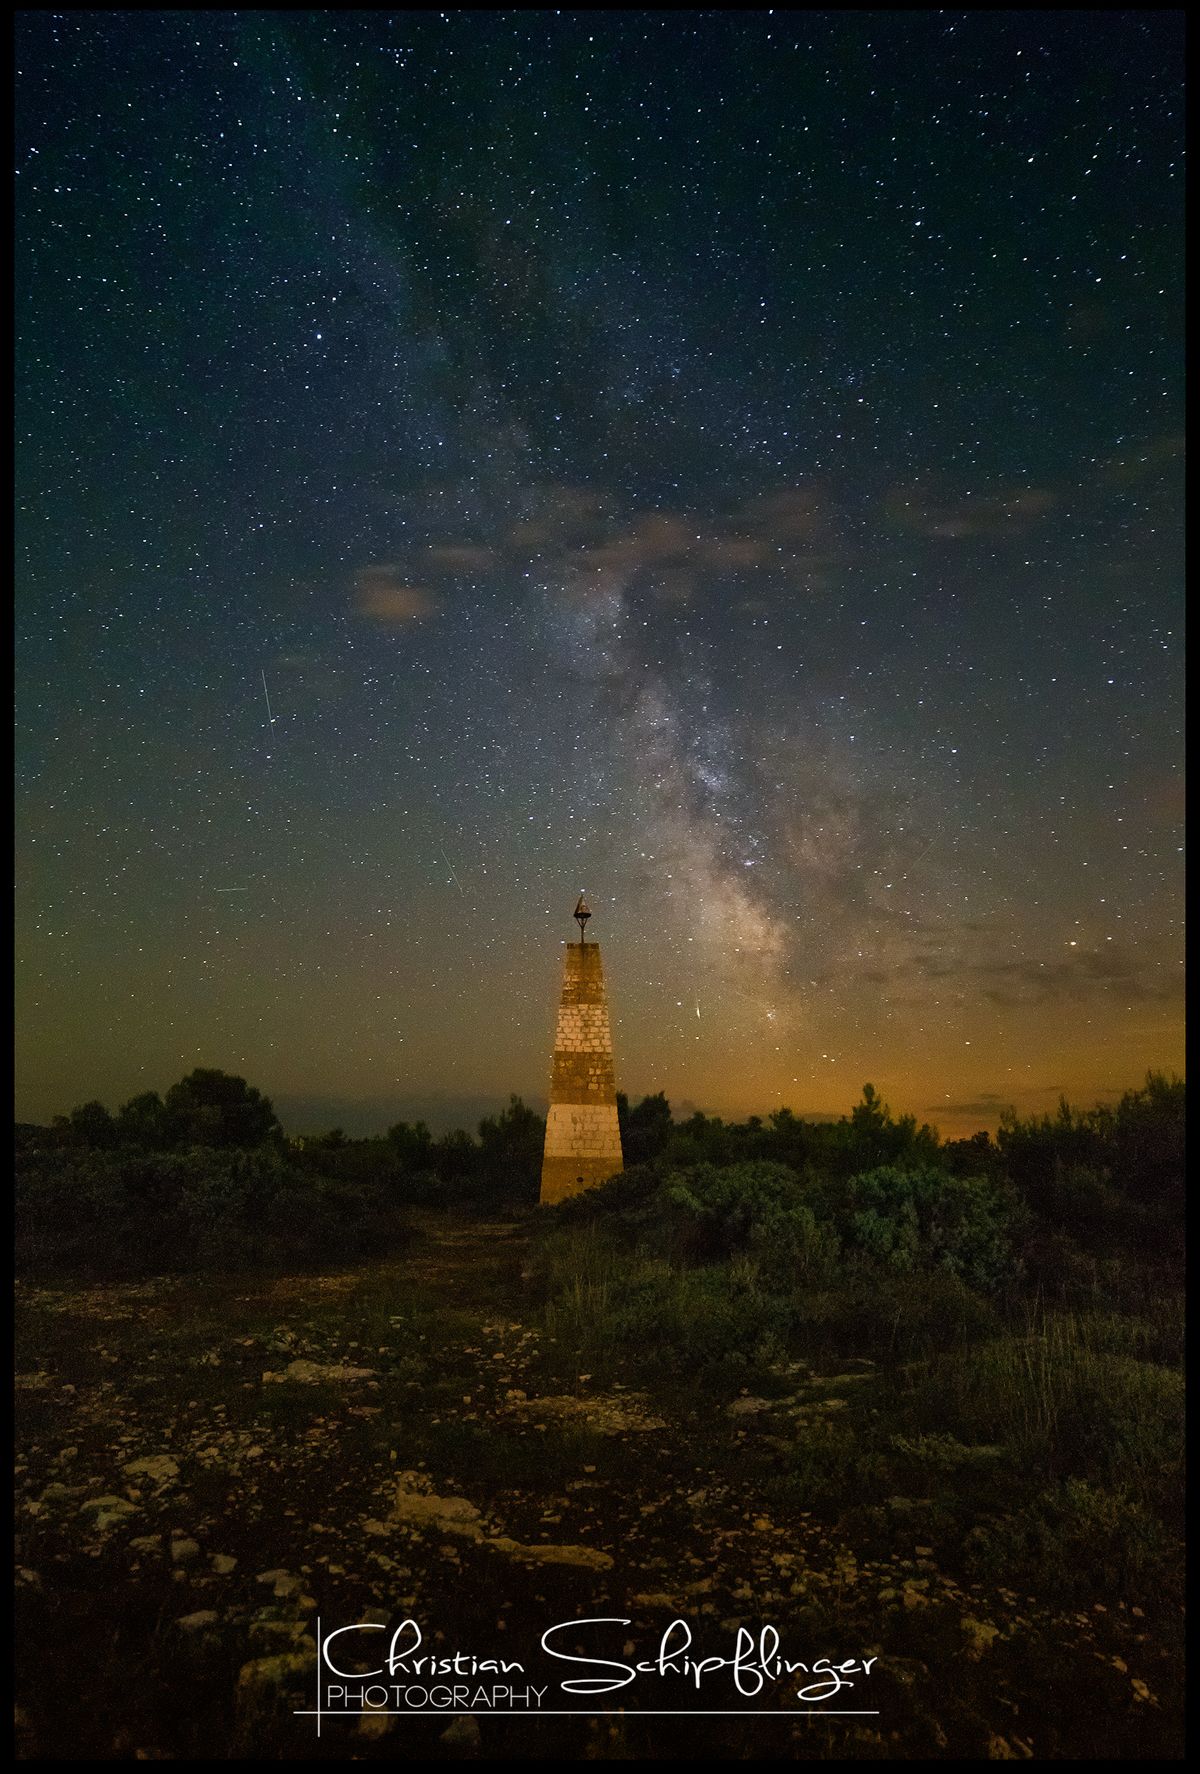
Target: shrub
[890,1317]
[715,1324]
[123,1214]
[912,1219]
[1066,1405]
[710,1212]
[1079,1540]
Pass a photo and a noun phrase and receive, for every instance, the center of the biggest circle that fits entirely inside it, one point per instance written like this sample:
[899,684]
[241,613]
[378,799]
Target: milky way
[729,463]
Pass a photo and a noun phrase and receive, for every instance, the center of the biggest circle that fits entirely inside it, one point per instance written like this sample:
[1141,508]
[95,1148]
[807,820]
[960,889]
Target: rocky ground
[206,1468]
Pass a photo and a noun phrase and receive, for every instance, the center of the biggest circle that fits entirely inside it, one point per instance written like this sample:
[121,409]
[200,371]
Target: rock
[373,1725]
[270,1632]
[60,1493]
[420,1510]
[198,1621]
[110,1512]
[980,1634]
[25,1736]
[160,1468]
[748,1407]
[183,1552]
[311,1373]
[261,1681]
[462,1734]
[222,1563]
[607,1415]
[584,1556]
[146,1543]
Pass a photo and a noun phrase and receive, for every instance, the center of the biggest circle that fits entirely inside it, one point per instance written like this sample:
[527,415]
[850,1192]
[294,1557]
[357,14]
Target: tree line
[205,1173]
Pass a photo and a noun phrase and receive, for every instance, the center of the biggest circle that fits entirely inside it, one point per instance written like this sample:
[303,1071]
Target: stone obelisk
[583,1139]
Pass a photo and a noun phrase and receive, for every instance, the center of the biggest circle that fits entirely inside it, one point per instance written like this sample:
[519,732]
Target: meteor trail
[453,876]
[267,694]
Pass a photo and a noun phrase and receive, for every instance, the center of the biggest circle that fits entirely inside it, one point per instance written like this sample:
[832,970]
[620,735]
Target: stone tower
[583,1140]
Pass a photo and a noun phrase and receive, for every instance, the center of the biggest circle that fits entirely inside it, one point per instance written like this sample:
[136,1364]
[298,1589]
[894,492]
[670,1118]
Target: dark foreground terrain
[207,1467]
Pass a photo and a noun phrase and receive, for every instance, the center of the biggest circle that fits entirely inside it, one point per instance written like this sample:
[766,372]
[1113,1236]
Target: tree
[142,1121]
[89,1125]
[412,1146]
[644,1130]
[974,1157]
[211,1108]
[456,1158]
[1145,1133]
[511,1149]
[872,1137]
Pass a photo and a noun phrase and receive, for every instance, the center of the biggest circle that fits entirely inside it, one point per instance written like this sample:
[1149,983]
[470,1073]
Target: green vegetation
[205,1178]
[1014,1307]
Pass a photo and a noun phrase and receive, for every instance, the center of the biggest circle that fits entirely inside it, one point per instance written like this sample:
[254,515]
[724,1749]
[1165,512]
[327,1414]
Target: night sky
[727,463]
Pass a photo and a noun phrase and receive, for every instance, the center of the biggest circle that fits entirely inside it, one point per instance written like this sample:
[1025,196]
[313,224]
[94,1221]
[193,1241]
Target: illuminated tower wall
[583,1140]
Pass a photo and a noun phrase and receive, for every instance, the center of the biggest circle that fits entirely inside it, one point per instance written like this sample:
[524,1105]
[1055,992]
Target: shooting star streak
[919,858]
[697,1010]
[453,876]
[267,694]
[231,890]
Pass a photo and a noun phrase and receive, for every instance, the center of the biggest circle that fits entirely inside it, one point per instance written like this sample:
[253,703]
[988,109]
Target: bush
[710,1213]
[623,1204]
[714,1324]
[925,1218]
[1079,1540]
[1066,1405]
[1111,1179]
[125,1214]
[889,1317]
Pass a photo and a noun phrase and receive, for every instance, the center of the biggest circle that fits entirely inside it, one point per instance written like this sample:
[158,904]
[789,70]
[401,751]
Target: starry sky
[727,463]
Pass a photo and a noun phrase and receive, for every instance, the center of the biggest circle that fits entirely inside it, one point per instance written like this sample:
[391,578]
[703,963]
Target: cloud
[460,557]
[918,964]
[557,515]
[732,553]
[989,1103]
[568,534]
[1006,513]
[383,593]
[1062,981]
[673,552]
[786,514]
[1139,462]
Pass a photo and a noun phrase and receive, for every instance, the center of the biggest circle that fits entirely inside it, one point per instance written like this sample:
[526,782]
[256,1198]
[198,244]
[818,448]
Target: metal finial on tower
[582,914]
